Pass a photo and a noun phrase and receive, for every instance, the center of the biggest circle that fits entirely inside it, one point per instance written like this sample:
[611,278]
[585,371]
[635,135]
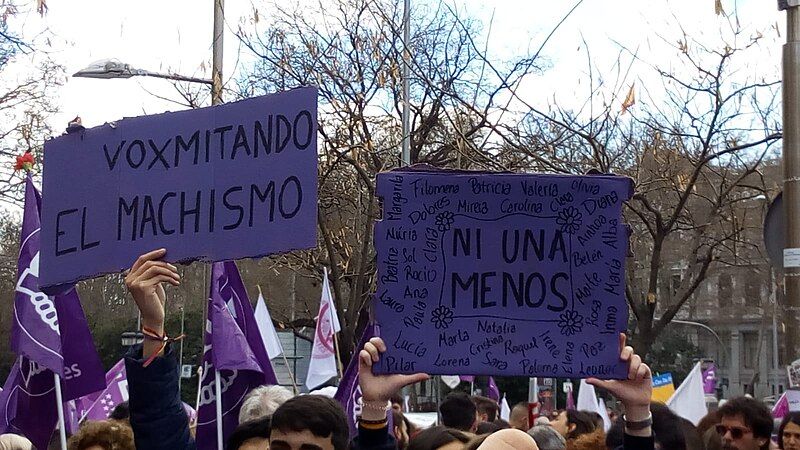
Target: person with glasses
[745,424]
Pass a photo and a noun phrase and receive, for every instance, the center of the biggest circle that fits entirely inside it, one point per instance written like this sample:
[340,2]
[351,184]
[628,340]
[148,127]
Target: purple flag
[51,330]
[710,379]
[114,394]
[349,392]
[492,391]
[570,400]
[467,378]
[28,402]
[228,349]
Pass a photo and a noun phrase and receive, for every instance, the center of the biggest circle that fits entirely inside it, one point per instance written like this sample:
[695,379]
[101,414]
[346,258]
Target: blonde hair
[108,434]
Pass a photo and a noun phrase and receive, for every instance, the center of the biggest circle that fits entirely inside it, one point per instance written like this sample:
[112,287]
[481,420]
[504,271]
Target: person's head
[102,435]
[251,435]
[458,412]
[14,442]
[120,412]
[511,439]
[438,438]
[262,402]
[311,420]
[519,417]
[547,438]
[745,424]
[487,428]
[789,432]
[487,408]
[597,419]
[541,420]
[573,423]
[401,431]
[694,440]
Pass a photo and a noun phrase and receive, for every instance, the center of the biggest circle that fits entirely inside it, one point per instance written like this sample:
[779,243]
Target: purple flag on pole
[227,349]
[28,402]
[570,400]
[349,392]
[51,330]
[710,379]
[467,378]
[115,393]
[492,391]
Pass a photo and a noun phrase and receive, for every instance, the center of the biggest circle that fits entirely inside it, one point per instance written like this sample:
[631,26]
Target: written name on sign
[501,274]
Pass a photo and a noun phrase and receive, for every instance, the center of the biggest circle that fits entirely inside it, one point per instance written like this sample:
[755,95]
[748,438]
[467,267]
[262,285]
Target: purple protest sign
[501,274]
[226,182]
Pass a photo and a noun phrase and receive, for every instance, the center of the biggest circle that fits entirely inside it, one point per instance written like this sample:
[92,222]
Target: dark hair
[487,406]
[792,417]
[458,411]
[596,418]
[668,429]
[584,423]
[502,424]
[257,428]
[318,414]
[755,414]
[487,428]
[435,437]
[121,412]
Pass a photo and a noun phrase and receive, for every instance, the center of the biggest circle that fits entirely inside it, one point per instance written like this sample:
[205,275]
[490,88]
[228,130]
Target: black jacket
[373,439]
[157,416]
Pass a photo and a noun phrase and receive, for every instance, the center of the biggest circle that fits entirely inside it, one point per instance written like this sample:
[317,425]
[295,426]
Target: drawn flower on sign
[444,220]
[570,322]
[442,317]
[569,219]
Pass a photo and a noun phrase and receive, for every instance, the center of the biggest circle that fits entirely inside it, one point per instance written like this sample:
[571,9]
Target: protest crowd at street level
[564,316]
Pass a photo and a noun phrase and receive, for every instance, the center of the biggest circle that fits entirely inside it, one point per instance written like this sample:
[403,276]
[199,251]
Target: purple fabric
[111,396]
[570,400]
[51,330]
[225,182]
[710,379]
[348,393]
[34,331]
[467,378]
[492,391]
[28,402]
[226,348]
[501,274]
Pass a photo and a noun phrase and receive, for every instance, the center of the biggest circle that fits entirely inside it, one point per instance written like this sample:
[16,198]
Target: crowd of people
[272,417]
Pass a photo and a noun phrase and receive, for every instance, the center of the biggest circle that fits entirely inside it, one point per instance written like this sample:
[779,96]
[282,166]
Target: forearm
[151,346]
[638,414]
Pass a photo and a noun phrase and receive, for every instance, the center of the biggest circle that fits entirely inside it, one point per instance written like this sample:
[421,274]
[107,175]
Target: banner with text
[501,274]
[230,181]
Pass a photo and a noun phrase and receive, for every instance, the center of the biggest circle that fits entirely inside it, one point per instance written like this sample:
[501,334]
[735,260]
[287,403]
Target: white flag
[505,411]
[588,401]
[322,366]
[267,329]
[326,291]
[451,380]
[689,400]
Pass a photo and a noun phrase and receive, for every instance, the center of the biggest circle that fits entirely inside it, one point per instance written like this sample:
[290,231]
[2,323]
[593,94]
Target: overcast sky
[175,35]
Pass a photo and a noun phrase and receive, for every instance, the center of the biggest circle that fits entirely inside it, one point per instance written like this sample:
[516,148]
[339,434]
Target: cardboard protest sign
[226,182]
[501,274]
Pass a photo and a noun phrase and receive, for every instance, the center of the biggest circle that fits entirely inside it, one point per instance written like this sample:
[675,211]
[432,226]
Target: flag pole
[335,334]
[199,386]
[218,391]
[62,429]
[285,359]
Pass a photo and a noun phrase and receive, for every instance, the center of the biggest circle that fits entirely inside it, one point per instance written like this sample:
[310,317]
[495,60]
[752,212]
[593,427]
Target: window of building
[752,289]
[750,349]
[725,290]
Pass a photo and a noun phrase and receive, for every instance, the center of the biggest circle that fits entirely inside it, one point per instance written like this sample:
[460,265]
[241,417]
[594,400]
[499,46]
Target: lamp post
[112,68]
[791,168]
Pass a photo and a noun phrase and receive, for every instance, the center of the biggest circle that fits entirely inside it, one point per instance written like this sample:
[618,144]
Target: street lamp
[113,68]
